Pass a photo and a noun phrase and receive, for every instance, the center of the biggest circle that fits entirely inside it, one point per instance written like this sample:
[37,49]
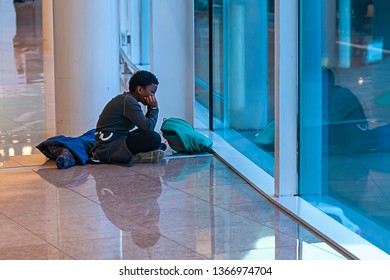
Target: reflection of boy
[346,122]
[344,117]
[132,207]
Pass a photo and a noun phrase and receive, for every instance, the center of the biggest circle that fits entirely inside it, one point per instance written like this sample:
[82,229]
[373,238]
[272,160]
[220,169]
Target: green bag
[183,138]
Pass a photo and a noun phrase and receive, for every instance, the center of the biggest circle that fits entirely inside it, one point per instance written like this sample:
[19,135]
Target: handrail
[130,67]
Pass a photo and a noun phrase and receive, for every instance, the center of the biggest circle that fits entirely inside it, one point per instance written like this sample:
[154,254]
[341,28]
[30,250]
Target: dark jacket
[79,146]
[122,114]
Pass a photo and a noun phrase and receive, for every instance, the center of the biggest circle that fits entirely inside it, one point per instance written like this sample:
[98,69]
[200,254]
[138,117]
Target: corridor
[181,208]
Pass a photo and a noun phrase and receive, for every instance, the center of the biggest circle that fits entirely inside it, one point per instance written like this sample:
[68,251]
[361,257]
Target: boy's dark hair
[142,78]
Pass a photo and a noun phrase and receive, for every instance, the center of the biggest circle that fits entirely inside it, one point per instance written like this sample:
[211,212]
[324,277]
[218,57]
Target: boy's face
[150,90]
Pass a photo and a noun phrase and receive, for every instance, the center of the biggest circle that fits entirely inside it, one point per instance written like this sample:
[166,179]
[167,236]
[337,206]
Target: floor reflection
[182,208]
[191,208]
[22,101]
[27,42]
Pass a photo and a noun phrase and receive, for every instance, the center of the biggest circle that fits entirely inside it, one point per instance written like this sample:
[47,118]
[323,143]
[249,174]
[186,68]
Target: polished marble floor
[181,208]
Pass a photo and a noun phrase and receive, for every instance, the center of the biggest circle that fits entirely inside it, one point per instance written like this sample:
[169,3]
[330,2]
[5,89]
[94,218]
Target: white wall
[172,57]
[86,61]
[48,65]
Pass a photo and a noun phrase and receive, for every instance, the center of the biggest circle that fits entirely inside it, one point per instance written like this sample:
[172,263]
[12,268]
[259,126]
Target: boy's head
[143,79]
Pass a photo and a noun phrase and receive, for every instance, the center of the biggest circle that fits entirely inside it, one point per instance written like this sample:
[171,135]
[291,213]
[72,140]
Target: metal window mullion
[211,79]
[286,97]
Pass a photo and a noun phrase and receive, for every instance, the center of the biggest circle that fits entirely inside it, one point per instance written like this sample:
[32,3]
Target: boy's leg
[143,141]
[145,146]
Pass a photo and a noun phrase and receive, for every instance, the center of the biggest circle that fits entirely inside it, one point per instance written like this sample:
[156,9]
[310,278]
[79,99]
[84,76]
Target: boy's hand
[151,101]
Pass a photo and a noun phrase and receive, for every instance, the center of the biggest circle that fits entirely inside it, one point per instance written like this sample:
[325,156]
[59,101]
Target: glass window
[202,77]
[344,113]
[134,24]
[125,27]
[242,88]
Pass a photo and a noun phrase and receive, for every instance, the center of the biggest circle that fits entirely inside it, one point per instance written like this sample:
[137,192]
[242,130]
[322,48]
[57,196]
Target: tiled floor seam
[37,236]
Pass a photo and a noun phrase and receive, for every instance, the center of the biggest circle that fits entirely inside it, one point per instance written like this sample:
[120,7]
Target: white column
[286,97]
[329,27]
[135,32]
[345,33]
[86,58]
[246,46]
[311,164]
[172,57]
[236,91]
[145,32]
[38,17]
[47,26]
[48,66]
